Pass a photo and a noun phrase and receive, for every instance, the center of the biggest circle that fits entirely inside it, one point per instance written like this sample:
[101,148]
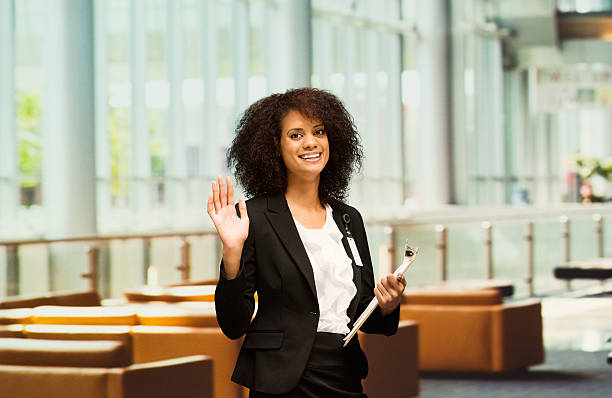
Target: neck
[304,194]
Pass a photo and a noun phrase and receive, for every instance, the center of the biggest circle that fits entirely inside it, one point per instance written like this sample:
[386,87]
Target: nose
[309,141]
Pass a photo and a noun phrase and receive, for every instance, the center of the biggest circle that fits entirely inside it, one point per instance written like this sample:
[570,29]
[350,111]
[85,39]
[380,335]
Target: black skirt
[332,371]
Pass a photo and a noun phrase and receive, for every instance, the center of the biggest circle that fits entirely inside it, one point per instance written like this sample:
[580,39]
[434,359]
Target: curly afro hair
[255,151]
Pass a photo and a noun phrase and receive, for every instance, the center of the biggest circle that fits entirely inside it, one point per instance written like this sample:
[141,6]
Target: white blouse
[333,273]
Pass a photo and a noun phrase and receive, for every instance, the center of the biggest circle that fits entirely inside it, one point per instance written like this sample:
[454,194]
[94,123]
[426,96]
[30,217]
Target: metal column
[434,58]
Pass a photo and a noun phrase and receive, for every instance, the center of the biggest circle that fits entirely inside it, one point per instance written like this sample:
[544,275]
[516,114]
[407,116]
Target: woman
[300,248]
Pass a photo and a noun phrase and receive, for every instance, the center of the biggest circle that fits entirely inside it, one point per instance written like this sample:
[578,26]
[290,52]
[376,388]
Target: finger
[243,210]
[215,193]
[403,282]
[222,191]
[398,282]
[401,287]
[382,296]
[393,287]
[383,291]
[390,283]
[210,207]
[230,191]
[379,296]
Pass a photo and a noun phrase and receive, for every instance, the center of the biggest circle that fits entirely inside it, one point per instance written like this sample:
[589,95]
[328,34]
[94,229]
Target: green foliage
[590,166]
[157,146]
[28,112]
[119,151]
[119,131]
[29,116]
[29,163]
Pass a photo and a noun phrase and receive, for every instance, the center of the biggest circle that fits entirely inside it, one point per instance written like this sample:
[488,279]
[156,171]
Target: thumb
[243,209]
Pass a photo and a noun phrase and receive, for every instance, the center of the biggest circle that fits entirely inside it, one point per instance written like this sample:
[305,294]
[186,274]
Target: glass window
[479,174]
[361,53]
[29,30]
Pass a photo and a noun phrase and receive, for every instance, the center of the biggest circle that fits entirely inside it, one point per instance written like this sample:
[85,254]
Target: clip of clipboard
[409,256]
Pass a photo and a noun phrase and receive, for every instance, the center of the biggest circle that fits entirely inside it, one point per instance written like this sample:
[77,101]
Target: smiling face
[304,146]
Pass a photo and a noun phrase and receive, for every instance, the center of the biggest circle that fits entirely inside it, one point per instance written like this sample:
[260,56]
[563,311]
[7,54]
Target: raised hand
[232,230]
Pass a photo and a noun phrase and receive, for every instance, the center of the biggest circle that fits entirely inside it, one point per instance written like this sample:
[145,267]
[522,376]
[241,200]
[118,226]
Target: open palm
[232,230]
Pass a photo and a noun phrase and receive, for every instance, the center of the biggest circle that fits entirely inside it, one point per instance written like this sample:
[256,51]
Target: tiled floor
[577,323]
[565,374]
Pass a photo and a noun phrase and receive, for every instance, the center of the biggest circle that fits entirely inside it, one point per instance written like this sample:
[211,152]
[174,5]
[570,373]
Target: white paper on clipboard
[409,256]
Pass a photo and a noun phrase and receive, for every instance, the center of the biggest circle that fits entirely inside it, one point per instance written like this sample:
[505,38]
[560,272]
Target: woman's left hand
[389,293]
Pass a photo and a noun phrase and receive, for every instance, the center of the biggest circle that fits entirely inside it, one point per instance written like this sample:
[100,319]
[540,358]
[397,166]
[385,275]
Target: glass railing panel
[425,269]
[134,265]
[379,241]
[123,262]
[607,236]
[548,254]
[164,258]
[583,239]
[584,245]
[67,262]
[205,257]
[510,260]
[465,252]
[34,270]
[127,259]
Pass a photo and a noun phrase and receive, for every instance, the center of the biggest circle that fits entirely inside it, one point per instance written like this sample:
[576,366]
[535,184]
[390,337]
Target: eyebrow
[301,129]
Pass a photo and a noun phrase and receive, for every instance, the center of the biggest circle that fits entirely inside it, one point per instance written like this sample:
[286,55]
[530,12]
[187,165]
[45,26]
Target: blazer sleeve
[234,299]
[376,323]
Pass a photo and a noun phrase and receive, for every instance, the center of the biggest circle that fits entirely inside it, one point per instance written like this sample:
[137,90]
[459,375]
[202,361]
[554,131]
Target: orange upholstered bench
[60,315]
[152,332]
[172,294]
[393,362]
[31,368]
[474,330]
[81,298]
[15,316]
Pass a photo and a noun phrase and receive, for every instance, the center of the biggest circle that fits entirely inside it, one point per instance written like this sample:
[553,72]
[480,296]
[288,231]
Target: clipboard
[409,256]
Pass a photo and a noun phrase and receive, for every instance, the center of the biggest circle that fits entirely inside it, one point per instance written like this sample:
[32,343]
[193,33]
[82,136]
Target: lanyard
[349,237]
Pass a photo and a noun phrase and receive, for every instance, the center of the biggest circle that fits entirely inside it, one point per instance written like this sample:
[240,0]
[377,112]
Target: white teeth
[316,155]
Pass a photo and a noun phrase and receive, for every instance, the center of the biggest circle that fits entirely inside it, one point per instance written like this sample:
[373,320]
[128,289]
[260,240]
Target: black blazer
[274,264]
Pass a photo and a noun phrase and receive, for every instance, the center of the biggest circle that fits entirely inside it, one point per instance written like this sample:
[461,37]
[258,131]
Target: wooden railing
[92,252]
[438,220]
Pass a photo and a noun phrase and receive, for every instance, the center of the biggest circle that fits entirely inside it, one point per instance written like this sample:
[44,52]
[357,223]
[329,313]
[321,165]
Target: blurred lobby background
[486,126]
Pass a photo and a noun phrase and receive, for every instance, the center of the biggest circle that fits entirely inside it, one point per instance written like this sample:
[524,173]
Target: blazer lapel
[352,309]
[280,218]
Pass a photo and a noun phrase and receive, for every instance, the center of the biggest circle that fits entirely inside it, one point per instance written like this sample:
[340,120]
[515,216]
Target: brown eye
[295,136]
[319,132]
